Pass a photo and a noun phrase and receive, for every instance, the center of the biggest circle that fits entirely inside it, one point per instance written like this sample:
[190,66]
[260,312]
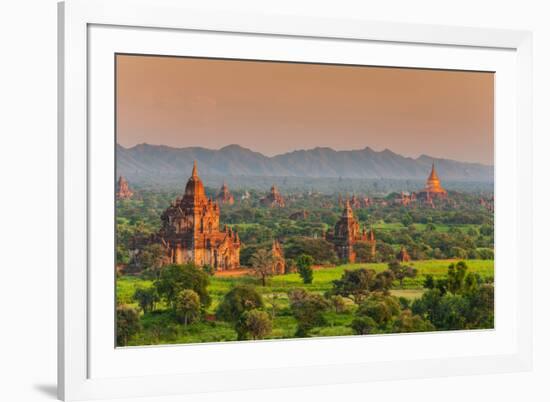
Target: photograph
[270,200]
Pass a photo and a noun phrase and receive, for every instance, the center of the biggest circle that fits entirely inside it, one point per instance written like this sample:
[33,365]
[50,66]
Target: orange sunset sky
[274,108]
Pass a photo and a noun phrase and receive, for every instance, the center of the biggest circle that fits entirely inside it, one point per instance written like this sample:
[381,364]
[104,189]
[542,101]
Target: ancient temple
[403,256]
[123,191]
[347,233]
[225,196]
[403,198]
[273,199]
[278,257]
[433,189]
[191,232]
[355,202]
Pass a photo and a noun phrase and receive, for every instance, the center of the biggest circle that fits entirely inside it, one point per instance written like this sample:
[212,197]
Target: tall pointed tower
[433,184]
[346,232]
[433,189]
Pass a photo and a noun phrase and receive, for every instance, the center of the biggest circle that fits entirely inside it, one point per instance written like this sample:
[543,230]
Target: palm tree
[262,264]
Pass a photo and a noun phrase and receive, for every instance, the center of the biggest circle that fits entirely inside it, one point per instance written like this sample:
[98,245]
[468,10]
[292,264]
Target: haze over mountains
[150,164]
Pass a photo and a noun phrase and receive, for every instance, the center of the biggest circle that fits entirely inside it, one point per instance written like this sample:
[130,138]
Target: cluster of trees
[460,300]
[429,243]
[182,288]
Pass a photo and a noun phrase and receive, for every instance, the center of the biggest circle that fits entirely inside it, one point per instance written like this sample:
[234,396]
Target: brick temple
[347,233]
[191,232]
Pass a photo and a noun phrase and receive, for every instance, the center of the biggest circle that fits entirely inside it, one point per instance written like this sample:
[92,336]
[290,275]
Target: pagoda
[273,199]
[433,188]
[225,196]
[123,189]
[190,231]
[347,233]
[278,258]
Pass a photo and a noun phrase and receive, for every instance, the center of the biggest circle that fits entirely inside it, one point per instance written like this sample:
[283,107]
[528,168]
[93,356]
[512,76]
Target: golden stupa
[433,184]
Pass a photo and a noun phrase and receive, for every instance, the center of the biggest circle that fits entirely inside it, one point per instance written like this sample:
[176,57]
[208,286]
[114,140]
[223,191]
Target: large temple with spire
[347,233]
[190,230]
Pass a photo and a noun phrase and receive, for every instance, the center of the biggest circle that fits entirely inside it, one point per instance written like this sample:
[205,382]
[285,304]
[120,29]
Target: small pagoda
[274,199]
[225,196]
[123,189]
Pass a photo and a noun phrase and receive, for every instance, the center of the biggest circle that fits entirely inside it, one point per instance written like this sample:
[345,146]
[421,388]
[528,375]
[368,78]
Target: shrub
[308,309]
[407,322]
[255,324]
[363,325]
[239,299]
[382,309]
[127,324]
[146,298]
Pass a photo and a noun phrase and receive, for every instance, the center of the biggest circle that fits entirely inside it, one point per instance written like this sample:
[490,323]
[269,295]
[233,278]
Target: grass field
[158,328]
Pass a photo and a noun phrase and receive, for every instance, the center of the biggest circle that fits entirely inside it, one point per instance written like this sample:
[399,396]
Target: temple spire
[194,173]
[433,178]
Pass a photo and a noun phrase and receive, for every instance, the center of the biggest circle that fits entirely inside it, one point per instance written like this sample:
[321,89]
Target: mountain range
[146,163]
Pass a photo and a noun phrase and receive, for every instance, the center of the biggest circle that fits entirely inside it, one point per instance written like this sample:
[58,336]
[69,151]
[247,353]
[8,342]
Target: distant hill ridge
[146,162]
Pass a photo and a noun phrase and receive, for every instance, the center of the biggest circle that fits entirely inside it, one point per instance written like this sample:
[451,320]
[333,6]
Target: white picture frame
[91,31]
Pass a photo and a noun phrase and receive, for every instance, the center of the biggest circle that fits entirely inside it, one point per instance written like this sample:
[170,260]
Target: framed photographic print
[246,198]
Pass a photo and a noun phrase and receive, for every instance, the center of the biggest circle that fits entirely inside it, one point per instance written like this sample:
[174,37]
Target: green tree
[308,309]
[409,322]
[320,249]
[303,264]
[254,324]
[383,282]
[175,278]
[187,306]
[127,324]
[338,303]
[146,298]
[364,325]
[262,265]
[150,259]
[382,309]
[401,271]
[355,283]
[429,282]
[239,299]
[407,219]
[455,277]
[430,227]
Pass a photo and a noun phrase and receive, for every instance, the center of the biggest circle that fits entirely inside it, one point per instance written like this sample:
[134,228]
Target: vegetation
[128,324]
[262,264]
[303,264]
[255,324]
[187,306]
[448,284]
[421,308]
[175,278]
[308,309]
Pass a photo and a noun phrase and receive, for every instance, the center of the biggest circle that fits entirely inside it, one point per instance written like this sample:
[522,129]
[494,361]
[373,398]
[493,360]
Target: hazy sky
[274,108]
